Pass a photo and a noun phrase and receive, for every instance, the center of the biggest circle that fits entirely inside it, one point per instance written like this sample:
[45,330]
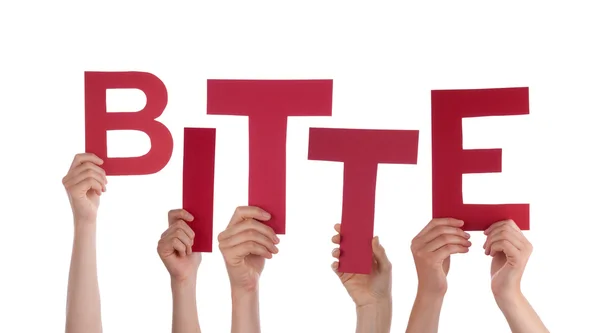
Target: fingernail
[276,239]
[467,235]
[377,240]
[276,250]
[267,215]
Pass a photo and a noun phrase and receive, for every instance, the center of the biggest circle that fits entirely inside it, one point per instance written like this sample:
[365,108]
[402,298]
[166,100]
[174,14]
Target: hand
[245,245]
[510,251]
[175,247]
[431,250]
[84,183]
[366,289]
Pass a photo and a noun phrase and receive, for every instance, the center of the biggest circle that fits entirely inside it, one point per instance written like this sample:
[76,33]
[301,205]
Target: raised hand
[366,289]
[84,183]
[175,247]
[432,249]
[510,251]
[245,244]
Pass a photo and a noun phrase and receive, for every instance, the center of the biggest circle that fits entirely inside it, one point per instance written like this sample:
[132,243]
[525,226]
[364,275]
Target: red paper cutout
[98,121]
[199,183]
[268,104]
[450,161]
[360,151]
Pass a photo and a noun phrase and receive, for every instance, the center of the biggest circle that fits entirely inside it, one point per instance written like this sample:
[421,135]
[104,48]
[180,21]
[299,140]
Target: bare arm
[83,295]
[185,311]
[84,182]
[432,249]
[520,315]
[175,250]
[245,316]
[510,251]
[374,318]
[425,314]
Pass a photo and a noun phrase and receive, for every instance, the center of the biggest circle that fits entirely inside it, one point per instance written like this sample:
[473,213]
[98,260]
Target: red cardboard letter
[450,161]
[199,183]
[98,121]
[361,151]
[268,104]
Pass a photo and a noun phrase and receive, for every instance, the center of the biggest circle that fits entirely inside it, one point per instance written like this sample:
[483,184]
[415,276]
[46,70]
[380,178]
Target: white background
[384,60]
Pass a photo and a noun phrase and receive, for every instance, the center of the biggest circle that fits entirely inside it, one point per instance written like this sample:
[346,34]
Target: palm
[446,266]
[363,288]
[248,270]
[85,206]
[182,267]
[499,271]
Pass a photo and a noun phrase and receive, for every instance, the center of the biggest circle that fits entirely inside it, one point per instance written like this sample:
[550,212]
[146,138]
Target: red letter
[361,151]
[199,183]
[268,104]
[98,121]
[450,161]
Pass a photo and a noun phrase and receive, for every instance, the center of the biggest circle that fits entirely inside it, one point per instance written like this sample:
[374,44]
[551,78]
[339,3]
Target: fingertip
[335,266]
[266,215]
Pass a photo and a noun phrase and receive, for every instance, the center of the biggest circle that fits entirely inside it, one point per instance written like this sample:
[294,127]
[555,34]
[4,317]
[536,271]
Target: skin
[431,250]
[85,182]
[510,252]
[175,251]
[371,293]
[508,247]
[245,244]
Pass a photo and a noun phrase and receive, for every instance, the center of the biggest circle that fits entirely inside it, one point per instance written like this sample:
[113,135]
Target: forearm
[83,295]
[376,318]
[425,314]
[520,315]
[185,311]
[245,316]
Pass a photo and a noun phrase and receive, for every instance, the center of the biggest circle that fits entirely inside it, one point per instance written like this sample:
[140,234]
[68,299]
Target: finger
[179,214]
[249,235]
[441,221]
[249,224]
[383,262]
[334,266]
[74,179]
[179,246]
[181,236]
[443,229]
[249,248]
[448,250]
[508,233]
[86,166]
[86,185]
[85,157]
[506,247]
[336,239]
[446,239]
[499,224]
[336,253]
[338,227]
[183,226]
[243,213]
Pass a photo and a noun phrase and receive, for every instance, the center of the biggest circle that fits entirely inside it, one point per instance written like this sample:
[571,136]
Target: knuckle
[239,210]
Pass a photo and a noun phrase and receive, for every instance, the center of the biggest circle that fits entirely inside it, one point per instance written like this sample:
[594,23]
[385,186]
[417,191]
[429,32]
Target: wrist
[184,285]
[509,299]
[430,295]
[382,307]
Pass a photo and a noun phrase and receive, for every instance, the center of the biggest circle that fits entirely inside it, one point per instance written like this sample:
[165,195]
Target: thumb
[379,252]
